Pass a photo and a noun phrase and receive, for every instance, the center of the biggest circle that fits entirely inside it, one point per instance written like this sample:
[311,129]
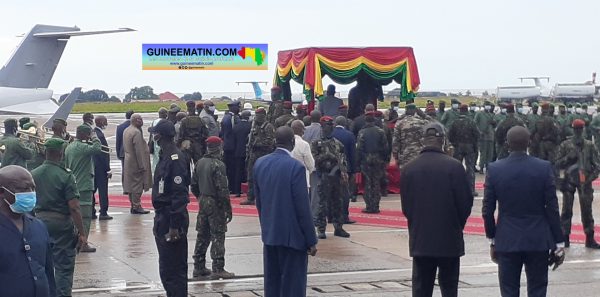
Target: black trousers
[285,271]
[229,160]
[424,271]
[509,273]
[239,173]
[101,187]
[172,265]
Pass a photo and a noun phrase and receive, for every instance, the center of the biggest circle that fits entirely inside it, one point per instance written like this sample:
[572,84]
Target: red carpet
[387,218]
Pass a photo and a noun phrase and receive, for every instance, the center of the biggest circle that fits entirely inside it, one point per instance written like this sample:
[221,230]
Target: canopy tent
[374,65]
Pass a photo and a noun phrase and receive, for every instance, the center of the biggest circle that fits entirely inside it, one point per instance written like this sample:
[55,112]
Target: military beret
[395,103]
[411,106]
[455,101]
[175,109]
[442,102]
[370,113]
[54,143]
[164,128]
[377,113]
[301,107]
[578,123]
[23,121]
[569,105]
[28,126]
[234,103]
[84,129]
[199,106]
[246,114]
[551,105]
[464,107]
[10,122]
[287,104]
[275,89]
[584,106]
[326,120]
[562,106]
[578,105]
[546,105]
[510,107]
[190,103]
[473,104]
[60,121]
[343,107]
[260,110]
[535,104]
[213,140]
[487,103]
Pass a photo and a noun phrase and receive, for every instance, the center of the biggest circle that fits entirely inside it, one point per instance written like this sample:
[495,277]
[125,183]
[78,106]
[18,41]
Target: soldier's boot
[321,233]
[339,231]
[200,270]
[590,242]
[87,249]
[221,274]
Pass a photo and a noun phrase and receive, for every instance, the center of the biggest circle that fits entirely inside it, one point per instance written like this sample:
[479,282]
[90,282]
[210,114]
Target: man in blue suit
[119,147]
[230,119]
[528,229]
[286,221]
[349,141]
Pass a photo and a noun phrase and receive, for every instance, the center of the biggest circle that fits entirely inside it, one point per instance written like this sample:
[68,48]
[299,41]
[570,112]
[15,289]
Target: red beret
[287,104]
[301,107]
[578,123]
[370,113]
[326,120]
[214,140]
[464,107]
[200,105]
[343,107]
[275,89]
[546,105]
[378,113]
[260,110]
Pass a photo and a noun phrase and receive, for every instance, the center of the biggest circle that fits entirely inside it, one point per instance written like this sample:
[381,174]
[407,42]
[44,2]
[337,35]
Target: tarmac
[374,261]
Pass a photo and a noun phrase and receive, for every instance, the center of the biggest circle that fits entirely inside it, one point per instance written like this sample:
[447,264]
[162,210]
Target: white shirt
[303,154]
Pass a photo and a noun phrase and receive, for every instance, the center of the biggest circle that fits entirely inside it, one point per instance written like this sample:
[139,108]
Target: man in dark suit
[528,220]
[230,119]
[240,134]
[349,141]
[436,214]
[120,130]
[102,170]
[286,223]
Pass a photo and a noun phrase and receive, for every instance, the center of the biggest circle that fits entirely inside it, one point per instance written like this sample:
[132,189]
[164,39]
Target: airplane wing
[65,108]
[67,34]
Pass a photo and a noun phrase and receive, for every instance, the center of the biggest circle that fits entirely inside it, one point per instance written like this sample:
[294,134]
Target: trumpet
[41,139]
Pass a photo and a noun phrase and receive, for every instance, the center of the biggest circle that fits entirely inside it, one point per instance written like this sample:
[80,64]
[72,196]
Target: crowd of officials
[303,166]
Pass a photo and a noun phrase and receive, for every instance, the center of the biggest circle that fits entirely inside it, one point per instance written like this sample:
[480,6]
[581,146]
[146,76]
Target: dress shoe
[353,199]
[349,221]
[567,242]
[341,233]
[201,274]
[238,195]
[370,210]
[475,194]
[139,211]
[592,244]
[94,216]
[105,217]
[321,235]
[247,202]
[221,274]
[87,249]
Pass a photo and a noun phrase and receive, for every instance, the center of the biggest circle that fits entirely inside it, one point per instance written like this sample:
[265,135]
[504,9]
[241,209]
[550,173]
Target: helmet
[247,106]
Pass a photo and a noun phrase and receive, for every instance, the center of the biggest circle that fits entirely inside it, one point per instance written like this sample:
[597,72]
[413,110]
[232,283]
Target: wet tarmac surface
[374,261]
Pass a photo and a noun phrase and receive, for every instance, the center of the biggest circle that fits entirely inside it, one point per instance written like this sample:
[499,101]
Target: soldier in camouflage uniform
[595,128]
[545,136]
[330,163]
[580,160]
[563,122]
[286,118]
[210,186]
[472,110]
[389,134]
[588,120]
[408,135]
[464,136]
[372,157]
[192,134]
[261,142]
[533,117]
[276,105]
[510,121]
[451,115]
[301,111]
[484,120]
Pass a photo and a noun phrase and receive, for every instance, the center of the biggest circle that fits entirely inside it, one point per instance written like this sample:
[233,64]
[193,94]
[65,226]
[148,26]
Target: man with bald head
[25,271]
[286,221]
[137,174]
[528,224]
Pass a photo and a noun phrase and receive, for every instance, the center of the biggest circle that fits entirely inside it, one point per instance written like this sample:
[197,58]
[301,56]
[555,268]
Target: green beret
[23,121]
[411,106]
[54,143]
[578,105]
[569,105]
[60,121]
[442,101]
[84,129]
[455,101]
[552,105]
[28,126]
[535,104]
[584,106]
[562,106]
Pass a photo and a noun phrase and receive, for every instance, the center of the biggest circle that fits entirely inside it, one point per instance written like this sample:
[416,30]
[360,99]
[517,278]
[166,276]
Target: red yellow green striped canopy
[344,65]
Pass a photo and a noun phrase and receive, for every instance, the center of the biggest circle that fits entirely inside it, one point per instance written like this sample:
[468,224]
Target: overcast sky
[458,44]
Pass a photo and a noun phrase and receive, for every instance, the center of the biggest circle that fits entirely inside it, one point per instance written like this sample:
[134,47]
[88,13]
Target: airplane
[25,78]
[260,95]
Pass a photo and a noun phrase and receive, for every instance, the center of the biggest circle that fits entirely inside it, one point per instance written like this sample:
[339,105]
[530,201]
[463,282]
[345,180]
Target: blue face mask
[24,202]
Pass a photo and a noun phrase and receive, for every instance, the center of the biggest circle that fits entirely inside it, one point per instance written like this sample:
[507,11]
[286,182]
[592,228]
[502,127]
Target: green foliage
[118,107]
[196,96]
[141,93]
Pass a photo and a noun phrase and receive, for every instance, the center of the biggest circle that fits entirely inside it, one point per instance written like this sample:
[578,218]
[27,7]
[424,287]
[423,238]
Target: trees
[94,95]
[141,93]
[196,96]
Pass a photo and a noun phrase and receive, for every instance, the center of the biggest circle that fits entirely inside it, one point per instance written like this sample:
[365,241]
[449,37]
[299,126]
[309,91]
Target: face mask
[487,107]
[570,109]
[520,110]
[212,108]
[473,108]
[24,202]
[503,110]
[578,110]
[454,106]
[396,108]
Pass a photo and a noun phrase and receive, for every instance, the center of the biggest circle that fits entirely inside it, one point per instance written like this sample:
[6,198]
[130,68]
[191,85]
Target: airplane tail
[33,63]
[257,90]
[65,108]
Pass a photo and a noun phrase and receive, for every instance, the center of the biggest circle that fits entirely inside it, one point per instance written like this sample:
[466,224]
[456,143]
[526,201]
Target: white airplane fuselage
[16,96]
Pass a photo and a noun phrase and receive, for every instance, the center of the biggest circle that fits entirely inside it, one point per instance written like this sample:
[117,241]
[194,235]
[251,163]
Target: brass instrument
[40,137]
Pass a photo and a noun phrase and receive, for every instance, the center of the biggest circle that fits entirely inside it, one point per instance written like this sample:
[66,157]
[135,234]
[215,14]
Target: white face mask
[578,110]
[503,110]
[520,110]
[454,106]
[396,108]
[473,108]
[212,108]
[571,110]
[487,107]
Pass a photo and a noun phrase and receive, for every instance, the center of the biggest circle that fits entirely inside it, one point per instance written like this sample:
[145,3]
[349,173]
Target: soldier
[192,134]
[588,120]
[564,126]
[389,134]
[174,109]
[301,111]
[276,105]
[58,207]
[15,151]
[372,152]
[464,136]
[210,186]
[580,160]
[330,163]
[394,108]
[545,136]
[451,115]
[23,121]
[208,117]
[533,117]
[171,220]
[501,116]
[441,109]
[262,142]
[343,109]
[429,111]
[510,121]
[595,129]
[484,120]
[407,137]
[520,113]
[472,110]
[59,130]
[79,158]
[286,118]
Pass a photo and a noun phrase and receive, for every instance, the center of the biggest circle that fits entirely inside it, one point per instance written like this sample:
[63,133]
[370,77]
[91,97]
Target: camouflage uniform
[501,145]
[408,139]
[192,137]
[564,126]
[464,136]
[210,186]
[275,111]
[284,120]
[575,159]
[330,163]
[484,120]
[449,117]
[372,152]
[262,142]
[595,130]
[545,137]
